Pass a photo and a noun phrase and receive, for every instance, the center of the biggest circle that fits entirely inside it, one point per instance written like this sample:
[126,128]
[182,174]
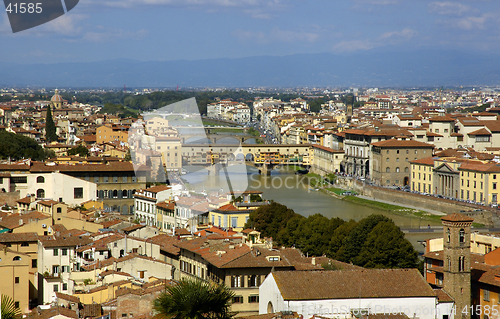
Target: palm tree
[8,308]
[195,299]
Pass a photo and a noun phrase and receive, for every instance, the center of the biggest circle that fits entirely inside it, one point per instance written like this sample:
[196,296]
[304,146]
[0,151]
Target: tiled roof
[401,143]
[157,189]
[12,221]
[71,298]
[481,131]
[480,167]
[18,237]
[108,167]
[443,296]
[457,217]
[424,161]
[347,284]
[62,241]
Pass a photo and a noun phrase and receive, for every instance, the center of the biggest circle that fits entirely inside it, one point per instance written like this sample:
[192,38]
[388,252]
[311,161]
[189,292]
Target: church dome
[56,97]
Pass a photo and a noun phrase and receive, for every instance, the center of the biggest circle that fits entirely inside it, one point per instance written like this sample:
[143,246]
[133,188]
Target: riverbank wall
[484,215]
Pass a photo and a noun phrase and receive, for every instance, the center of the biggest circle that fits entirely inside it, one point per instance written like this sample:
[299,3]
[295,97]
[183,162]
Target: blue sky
[152,30]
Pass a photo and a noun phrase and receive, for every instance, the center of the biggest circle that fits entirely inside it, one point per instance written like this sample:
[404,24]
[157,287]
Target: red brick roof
[457,217]
[347,284]
[402,144]
[481,131]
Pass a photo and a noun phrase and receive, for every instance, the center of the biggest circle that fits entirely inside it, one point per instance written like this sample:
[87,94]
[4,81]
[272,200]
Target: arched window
[448,235]
[115,193]
[40,179]
[461,263]
[461,236]
[124,193]
[101,194]
[397,169]
[40,193]
[387,169]
[59,209]
[16,258]
[406,170]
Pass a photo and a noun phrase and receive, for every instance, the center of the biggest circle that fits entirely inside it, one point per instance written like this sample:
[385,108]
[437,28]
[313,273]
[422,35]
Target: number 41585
[24,8]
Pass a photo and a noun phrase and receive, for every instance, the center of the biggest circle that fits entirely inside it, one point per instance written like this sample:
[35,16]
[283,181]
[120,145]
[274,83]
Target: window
[34,263]
[494,185]
[78,192]
[234,222]
[124,179]
[55,269]
[65,287]
[56,288]
[486,295]
[40,193]
[397,159]
[253,298]
[461,236]
[448,234]
[236,282]
[24,244]
[40,179]
[397,169]
[254,281]
[238,299]
[461,263]
[64,252]
[16,280]
[387,169]
[55,252]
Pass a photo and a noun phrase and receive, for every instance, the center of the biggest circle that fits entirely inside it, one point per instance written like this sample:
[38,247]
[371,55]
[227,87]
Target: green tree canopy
[195,299]
[373,242]
[50,126]
[79,150]
[15,147]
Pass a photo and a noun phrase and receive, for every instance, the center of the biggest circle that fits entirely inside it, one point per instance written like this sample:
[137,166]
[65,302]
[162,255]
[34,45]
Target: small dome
[56,97]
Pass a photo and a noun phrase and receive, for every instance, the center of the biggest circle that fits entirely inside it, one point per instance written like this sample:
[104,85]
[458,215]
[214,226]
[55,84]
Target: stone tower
[456,261]
[349,106]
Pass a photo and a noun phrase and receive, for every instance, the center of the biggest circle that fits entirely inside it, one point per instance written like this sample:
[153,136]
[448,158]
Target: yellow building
[108,133]
[479,182]
[421,172]
[230,216]
[15,267]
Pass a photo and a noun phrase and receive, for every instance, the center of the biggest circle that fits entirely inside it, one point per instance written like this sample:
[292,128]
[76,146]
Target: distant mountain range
[367,69]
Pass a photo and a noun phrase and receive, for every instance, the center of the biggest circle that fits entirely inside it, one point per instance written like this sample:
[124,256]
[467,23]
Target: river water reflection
[284,187]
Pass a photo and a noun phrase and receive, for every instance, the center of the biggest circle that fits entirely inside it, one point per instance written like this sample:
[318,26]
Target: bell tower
[456,261]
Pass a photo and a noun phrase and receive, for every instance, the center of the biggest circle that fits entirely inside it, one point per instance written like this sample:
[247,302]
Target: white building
[146,200]
[337,294]
[56,262]
[56,186]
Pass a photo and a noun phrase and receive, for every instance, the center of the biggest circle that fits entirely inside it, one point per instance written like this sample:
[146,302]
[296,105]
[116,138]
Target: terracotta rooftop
[350,284]
[402,144]
[13,220]
[18,237]
[457,217]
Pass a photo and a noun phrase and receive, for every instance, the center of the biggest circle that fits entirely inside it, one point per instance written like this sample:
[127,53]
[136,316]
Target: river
[284,187]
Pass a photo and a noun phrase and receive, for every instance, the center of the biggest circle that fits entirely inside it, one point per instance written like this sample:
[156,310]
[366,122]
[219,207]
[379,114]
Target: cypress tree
[50,127]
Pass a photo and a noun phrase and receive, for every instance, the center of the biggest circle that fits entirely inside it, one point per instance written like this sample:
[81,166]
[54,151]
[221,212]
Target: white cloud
[470,23]
[276,35]
[353,45]
[404,34]
[449,8]
[379,2]
[114,34]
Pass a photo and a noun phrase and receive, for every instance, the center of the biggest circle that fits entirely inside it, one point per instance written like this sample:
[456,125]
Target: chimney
[313,261]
